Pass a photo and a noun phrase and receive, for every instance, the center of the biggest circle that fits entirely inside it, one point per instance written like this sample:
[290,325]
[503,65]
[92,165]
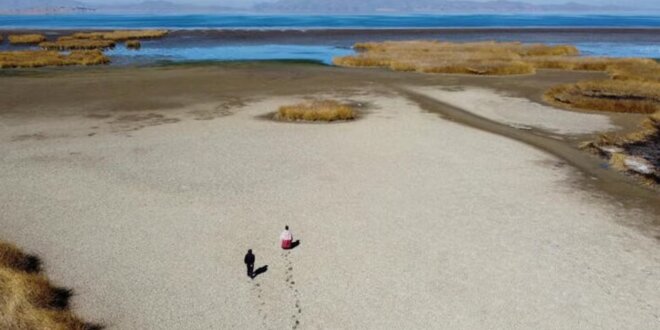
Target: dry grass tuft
[122,35]
[69,43]
[40,58]
[22,39]
[325,110]
[29,301]
[133,44]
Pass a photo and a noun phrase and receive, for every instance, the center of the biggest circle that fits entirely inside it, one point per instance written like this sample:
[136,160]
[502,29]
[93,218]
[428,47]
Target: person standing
[249,262]
[286,238]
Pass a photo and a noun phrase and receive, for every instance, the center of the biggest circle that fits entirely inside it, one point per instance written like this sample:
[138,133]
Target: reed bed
[27,298]
[26,39]
[69,43]
[480,58]
[41,58]
[319,110]
[122,35]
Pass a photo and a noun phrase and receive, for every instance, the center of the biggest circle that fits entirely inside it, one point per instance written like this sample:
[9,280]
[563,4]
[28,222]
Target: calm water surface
[322,37]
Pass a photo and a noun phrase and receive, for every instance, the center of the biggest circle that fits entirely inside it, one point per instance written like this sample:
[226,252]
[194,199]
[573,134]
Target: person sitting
[286,238]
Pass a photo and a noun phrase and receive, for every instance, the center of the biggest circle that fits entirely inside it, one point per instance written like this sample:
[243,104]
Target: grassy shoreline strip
[28,300]
[68,43]
[122,35]
[26,39]
[41,58]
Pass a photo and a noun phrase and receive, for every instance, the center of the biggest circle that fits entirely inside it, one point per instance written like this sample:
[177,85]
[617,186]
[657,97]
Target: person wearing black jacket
[249,262]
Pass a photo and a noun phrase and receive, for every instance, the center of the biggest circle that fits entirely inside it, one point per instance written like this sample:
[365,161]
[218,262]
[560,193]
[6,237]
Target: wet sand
[143,189]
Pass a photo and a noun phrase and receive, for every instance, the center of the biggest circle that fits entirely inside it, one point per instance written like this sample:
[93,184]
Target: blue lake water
[148,54]
[247,21]
[323,54]
[322,37]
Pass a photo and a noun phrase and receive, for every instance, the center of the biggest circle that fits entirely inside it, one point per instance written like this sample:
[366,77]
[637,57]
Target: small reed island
[85,48]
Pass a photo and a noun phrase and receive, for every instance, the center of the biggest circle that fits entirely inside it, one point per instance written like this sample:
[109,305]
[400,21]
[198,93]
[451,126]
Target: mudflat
[144,187]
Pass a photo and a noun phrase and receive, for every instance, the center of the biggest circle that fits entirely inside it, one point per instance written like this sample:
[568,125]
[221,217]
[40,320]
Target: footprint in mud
[295,317]
[258,290]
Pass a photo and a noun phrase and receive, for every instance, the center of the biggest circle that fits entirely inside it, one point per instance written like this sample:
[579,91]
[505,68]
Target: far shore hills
[35,7]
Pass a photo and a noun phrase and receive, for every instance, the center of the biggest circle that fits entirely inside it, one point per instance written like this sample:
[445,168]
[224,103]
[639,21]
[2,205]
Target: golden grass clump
[69,43]
[320,110]
[28,300]
[133,44]
[41,58]
[21,39]
[122,35]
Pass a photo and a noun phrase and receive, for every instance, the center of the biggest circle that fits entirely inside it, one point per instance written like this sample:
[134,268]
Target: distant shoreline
[352,31]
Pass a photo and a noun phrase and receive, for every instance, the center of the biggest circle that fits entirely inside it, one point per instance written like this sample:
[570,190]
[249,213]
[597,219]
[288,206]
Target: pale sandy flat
[406,221]
[519,112]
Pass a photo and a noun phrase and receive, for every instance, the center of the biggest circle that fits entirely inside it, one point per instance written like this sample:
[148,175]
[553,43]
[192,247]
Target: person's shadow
[295,244]
[260,271]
